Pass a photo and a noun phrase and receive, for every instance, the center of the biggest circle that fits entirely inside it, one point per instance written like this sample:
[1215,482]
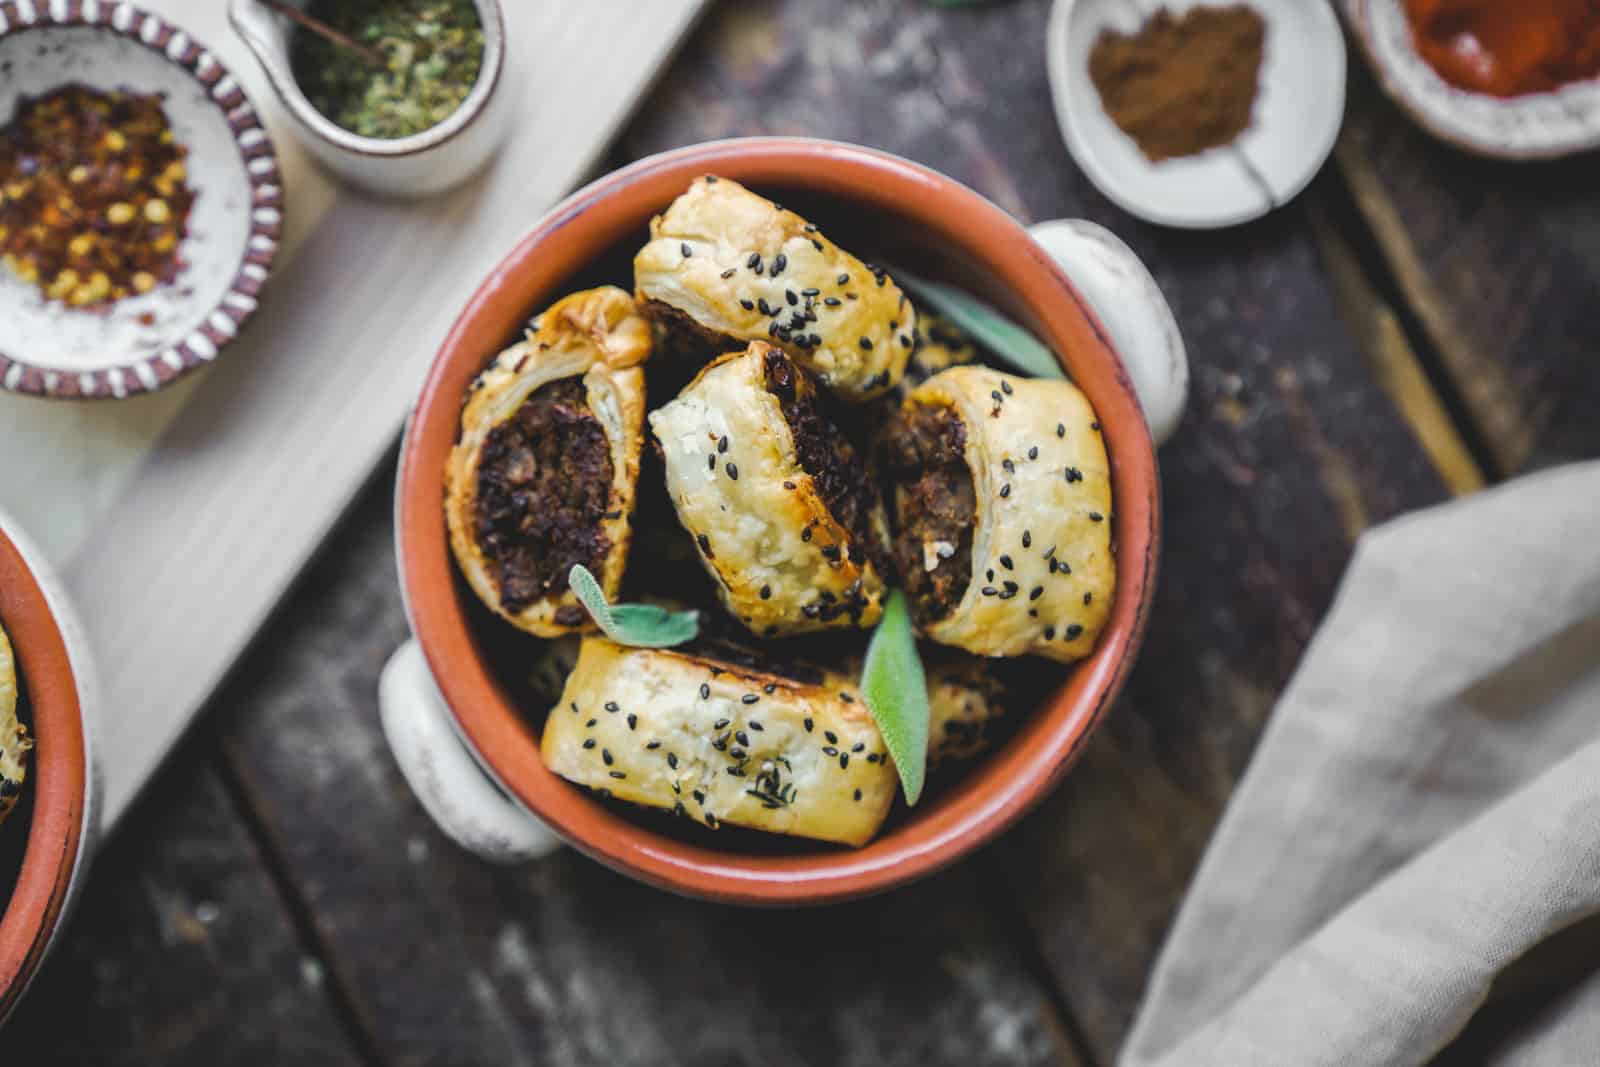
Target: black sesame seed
[1095,516]
[1061,430]
[711,179]
[730,272]
[989,574]
[808,724]
[754,262]
[769,689]
[1027,538]
[1011,587]
[1008,466]
[788,294]
[685,249]
[789,486]
[1049,633]
[748,305]
[989,590]
[1087,599]
[1038,591]
[613,707]
[733,471]
[618,774]
[829,751]
[743,738]
[1008,594]
[766,308]
[633,721]
[872,757]
[711,463]
[847,698]
[605,755]
[1073,474]
[1005,561]
[995,394]
[832,301]
[705,691]
[722,443]
[720,723]
[866,343]
[1005,387]
[766,592]
[705,543]
[811,292]
[778,264]
[749,698]
[816,244]
[1050,552]
[1033,453]
[1095,426]
[588,743]
[858,794]
[699,797]
[832,737]
[1074,631]
[757,727]
[574,707]
[858,746]
[590,724]
[737,753]
[1005,490]
[652,746]
[843,279]
[844,761]
[805,533]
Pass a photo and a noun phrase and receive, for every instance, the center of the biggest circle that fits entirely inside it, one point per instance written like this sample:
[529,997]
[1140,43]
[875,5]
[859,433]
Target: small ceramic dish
[1536,126]
[895,211]
[143,342]
[420,165]
[46,842]
[1297,117]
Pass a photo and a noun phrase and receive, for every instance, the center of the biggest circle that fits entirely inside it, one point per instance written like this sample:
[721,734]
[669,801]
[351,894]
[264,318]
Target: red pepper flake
[93,195]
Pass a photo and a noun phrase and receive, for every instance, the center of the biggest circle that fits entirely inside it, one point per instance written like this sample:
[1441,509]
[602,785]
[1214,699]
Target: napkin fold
[1404,873]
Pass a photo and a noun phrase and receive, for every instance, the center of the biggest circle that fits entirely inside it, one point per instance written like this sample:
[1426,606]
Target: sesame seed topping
[1061,430]
[605,755]
[843,279]
[748,305]
[778,264]
[1074,631]
[788,294]
[1005,490]
[720,723]
[1033,453]
[1087,599]
[613,707]
[733,471]
[1038,591]
[1005,387]
[766,592]
[730,272]
[705,544]
[808,724]
[705,691]
[588,743]
[685,249]
[633,721]
[749,698]
[865,343]
[1005,561]
[1095,516]
[754,262]
[1049,633]
[1027,538]
[722,443]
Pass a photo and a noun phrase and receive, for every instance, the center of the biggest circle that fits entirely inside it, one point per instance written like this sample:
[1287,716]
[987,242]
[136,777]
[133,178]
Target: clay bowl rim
[997,791]
[58,773]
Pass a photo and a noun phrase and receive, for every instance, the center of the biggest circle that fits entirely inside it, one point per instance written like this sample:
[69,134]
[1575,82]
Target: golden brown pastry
[784,513]
[722,743]
[726,263]
[964,700]
[1002,508]
[544,474]
[14,740]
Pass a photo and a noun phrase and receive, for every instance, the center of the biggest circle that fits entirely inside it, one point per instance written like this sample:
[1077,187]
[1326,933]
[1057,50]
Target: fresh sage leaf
[896,691]
[638,625]
[1004,339]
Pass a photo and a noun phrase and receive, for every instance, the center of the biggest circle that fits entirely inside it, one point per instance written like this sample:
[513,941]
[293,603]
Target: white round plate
[1297,116]
[141,343]
[1536,126]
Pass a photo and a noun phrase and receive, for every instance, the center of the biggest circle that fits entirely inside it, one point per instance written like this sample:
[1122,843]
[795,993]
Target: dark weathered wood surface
[1320,338]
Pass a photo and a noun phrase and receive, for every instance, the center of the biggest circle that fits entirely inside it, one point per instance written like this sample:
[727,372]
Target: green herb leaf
[896,690]
[638,625]
[1004,339]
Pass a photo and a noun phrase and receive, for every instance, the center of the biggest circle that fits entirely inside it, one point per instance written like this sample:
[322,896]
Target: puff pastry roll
[722,743]
[964,700]
[723,262]
[1002,508]
[14,740]
[544,473]
[780,504]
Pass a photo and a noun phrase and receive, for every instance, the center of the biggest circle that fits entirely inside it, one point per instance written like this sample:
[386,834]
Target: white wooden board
[180,518]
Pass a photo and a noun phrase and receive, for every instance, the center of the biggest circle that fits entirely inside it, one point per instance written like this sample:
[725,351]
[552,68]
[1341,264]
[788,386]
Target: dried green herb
[433,48]
[1004,339]
[637,625]
[896,689]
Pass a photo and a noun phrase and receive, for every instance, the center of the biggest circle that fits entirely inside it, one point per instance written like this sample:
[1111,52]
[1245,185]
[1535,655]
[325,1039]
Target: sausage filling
[934,507]
[827,455]
[544,483]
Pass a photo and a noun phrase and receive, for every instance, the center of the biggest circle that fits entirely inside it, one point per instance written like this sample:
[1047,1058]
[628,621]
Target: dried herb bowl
[889,210]
[150,338]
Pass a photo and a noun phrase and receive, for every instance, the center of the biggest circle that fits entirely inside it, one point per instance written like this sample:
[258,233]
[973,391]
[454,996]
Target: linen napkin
[1403,874]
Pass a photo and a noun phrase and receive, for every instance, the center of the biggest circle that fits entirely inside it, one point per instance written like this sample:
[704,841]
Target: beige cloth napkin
[1404,871]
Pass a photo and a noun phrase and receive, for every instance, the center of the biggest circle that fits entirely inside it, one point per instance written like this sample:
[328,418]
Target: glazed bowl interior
[885,210]
[41,840]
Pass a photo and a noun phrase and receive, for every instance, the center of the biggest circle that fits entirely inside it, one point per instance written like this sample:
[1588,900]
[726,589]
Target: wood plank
[181,952]
[187,552]
[447,960]
[1500,263]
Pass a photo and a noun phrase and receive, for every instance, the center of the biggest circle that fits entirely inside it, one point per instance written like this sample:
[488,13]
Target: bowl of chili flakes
[140,201]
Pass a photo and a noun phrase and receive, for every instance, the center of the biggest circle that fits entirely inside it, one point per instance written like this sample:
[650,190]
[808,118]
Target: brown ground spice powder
[1182,83]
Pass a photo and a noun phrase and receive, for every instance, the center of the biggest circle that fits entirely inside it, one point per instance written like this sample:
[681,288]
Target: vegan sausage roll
[780,505]
[723,262]
[721,743]
[544,473]
[1001,502]
[14,740]
[964,700]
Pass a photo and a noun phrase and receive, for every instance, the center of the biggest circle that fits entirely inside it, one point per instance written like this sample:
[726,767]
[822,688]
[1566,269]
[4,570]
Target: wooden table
[1415,325]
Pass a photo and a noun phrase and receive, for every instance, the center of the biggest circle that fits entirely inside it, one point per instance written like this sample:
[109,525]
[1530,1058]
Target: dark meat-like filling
[934,502]
[544,484]
[827,455]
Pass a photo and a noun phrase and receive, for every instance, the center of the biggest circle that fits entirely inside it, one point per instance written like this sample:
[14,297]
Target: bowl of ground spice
[1510,80]
[400,97]
[140,204]
[1197,115]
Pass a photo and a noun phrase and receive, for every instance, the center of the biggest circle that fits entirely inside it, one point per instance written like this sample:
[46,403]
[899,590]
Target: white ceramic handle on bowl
[1130,306]
[474,811]
[468,806]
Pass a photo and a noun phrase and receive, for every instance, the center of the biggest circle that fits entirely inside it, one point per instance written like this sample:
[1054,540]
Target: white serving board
[179,518]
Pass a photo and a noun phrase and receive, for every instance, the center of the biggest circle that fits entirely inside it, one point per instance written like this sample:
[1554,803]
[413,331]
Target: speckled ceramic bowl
[141,343]
[46,843]
[884,208]
[1536,126]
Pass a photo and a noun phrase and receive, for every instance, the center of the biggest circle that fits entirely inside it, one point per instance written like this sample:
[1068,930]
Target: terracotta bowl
[52,825]
[883,208]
